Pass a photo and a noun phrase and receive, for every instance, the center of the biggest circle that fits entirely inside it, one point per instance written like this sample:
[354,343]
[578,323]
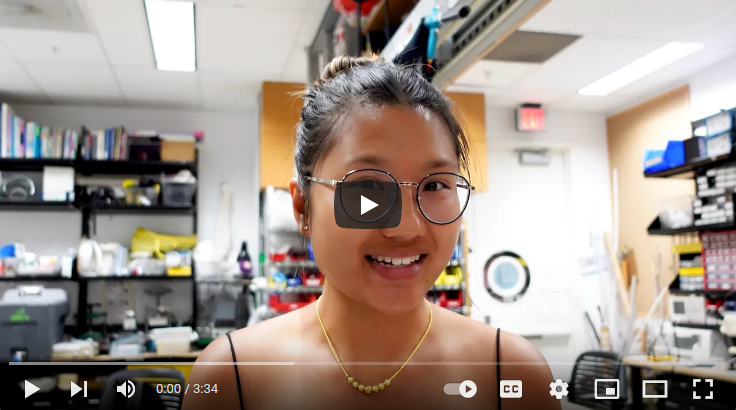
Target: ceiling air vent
[489,24]
[53,15]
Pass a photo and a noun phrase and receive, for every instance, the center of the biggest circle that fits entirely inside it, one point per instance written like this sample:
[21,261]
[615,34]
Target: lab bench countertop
[717,371]
[150,356]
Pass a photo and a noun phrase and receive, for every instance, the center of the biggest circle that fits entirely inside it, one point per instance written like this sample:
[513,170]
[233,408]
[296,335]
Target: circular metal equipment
[506,276]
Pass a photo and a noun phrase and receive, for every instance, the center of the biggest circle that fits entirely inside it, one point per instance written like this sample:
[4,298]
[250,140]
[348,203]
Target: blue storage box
[658,160]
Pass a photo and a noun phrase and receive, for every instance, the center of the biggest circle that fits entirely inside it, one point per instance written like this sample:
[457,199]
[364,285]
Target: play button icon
[29,388]
[367,204]
[468,389]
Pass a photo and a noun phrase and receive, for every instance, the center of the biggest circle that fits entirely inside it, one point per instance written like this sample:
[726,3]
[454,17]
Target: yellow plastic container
[687,248]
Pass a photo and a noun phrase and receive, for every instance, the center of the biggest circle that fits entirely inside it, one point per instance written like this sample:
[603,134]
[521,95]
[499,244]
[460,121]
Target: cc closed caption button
[467,389]
[511,389]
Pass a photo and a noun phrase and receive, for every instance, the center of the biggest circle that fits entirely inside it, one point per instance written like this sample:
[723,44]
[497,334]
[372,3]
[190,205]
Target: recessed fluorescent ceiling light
[171,24]
[665,55]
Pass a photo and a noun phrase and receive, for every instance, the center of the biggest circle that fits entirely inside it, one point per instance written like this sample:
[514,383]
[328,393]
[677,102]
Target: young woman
[372,341]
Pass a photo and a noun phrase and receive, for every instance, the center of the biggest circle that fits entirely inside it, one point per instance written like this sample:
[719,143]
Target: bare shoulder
[481,338]
[269,341]
[280,339]
[518,358]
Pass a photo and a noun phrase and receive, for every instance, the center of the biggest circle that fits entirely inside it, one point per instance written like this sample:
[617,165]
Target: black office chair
[593,365]
[145,396]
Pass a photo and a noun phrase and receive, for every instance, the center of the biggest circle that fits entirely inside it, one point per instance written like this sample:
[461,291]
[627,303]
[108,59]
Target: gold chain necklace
[387,382]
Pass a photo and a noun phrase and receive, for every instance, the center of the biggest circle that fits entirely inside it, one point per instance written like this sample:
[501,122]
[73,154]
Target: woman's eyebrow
[366,159]
[375,161]
[441,163]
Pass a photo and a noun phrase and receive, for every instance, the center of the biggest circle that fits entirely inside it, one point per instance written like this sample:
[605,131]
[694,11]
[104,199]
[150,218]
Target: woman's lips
[397,272]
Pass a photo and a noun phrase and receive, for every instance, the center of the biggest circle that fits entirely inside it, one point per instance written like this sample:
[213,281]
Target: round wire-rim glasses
[462,183]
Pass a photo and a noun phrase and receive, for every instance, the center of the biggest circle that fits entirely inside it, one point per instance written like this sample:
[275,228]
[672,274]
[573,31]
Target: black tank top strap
[498,365]
[237,375]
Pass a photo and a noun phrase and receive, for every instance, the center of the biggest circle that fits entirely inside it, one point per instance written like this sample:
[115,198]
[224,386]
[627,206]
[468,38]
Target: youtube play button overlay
[367,204]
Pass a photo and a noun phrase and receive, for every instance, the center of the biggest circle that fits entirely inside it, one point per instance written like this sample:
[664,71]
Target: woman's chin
[389,303]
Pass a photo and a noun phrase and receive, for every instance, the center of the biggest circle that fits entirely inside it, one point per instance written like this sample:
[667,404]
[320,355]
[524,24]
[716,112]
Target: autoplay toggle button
[466,389]
[367,204]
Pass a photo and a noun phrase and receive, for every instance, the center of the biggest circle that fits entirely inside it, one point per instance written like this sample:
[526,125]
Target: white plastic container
[172,345]
[173,340]
[676,213]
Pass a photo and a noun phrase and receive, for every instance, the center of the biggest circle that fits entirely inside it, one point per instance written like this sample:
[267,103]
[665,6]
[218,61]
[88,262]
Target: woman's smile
[396,267]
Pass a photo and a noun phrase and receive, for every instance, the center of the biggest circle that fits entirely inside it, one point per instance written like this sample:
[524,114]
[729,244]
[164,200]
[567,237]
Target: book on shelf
[110,144]
[23,139]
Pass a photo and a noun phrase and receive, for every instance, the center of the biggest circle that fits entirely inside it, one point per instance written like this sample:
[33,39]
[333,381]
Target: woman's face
[409,144]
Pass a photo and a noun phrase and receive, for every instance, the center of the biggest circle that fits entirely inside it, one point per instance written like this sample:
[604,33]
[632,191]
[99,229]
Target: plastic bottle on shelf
[244,263]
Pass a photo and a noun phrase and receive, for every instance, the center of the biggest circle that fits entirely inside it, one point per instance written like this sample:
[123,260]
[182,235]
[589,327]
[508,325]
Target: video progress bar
[149,363]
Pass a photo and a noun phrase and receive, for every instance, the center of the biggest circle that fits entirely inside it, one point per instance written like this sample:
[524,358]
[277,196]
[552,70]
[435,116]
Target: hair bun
[341,64]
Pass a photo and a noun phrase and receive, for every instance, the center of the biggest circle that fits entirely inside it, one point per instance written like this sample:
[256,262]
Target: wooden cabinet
[471,108]
[280,111]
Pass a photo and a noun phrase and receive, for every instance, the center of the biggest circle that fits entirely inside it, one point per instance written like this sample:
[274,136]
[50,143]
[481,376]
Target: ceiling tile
[228,90]
[487,73]
[588,103]
[516,96]
[296,67]
[123,31]
[61,81]
[460,88]
[576,16]
[679,71]
[155,85]
[5,55]
[252,42]
[664,19]
[718,32]
[17,86]
[313,5]
[308,27]
[57,15]
[651,19]
[587,60]
[318,5]
[53,46]
[13,78]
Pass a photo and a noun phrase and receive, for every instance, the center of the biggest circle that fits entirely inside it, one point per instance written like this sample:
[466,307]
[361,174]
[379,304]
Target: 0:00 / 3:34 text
[194,388]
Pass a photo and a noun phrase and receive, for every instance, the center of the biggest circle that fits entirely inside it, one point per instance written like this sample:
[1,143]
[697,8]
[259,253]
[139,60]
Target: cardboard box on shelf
[178,151]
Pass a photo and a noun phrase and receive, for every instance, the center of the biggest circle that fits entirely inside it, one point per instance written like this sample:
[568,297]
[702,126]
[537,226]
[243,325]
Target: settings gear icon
[558,388]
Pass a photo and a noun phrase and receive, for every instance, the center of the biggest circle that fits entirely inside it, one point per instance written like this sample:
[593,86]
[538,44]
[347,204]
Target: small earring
[306,228]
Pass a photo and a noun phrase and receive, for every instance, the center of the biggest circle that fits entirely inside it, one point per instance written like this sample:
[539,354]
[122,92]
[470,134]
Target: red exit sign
[530,118]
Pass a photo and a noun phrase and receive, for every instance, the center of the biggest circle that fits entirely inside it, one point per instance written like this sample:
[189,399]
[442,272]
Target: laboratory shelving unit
[90,211]
[268,267]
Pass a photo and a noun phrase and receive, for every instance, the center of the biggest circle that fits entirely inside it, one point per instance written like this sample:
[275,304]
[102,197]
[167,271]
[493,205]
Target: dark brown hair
[350,82]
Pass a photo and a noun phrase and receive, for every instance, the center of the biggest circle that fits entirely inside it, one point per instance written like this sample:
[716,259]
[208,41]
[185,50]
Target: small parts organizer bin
[719,258]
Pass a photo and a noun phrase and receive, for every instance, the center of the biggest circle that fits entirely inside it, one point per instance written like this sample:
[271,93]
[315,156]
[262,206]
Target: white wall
[713,89]
[583,137]
[229,154]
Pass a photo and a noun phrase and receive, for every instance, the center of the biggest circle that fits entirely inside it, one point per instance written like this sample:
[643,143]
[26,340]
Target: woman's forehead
[393,137]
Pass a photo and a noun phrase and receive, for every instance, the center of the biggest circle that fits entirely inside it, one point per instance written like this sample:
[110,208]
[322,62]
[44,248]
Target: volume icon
[127,389]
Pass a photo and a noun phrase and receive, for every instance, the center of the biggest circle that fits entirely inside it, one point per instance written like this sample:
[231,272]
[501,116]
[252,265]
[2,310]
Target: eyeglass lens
[442,196]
